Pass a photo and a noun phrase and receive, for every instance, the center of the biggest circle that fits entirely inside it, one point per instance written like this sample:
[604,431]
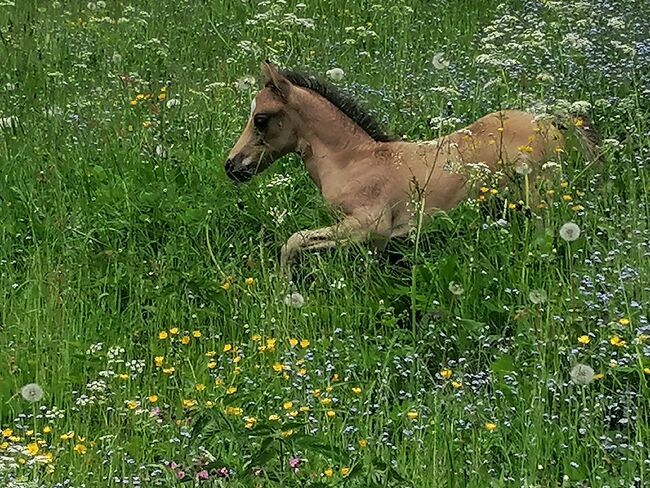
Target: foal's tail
[585,134]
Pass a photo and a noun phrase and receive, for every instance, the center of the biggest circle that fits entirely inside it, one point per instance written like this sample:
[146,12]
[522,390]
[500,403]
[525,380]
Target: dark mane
[341,100]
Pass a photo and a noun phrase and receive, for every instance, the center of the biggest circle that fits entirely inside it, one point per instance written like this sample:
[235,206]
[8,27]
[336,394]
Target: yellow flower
[256,338]
[326,401]
[278,367]
[624,321]
[231,390]
[293,342]
[412,415]
[330,414]
[598,376]
[304,409]
[7,433]
[579,123]
[356,390]
[564,184]
[212,365]
[133,103]
[270,345]
[47,429]
[490,427]
[305,343]
[287,405]
[32,449]
[456,384]
[642,338]
[196,334]
[67,437]
[617,341]
[292,414]
[200,387]
[526,149]
[146,124]
[646,370]
[363,443]
[249,281]
[550,193]
[162,96]
[577,208]
[158,360]
[4,446]
[123,377]
[80,449]
[163,89]
[274,418]
[250,422]
[227,347]
[236,359]
[446,373]
[226,285]
[185,340]
[584,339]
[210,354]
[512,206]
[287,433]
[567,198]
[169,370]
[140,96]
[316,392]
[218,382]
[189,403]
[329,472]
[494,191]
[345,471]
[173,330]
[152,398]
[132,404]
[163,335]
[236,411]
[302,372]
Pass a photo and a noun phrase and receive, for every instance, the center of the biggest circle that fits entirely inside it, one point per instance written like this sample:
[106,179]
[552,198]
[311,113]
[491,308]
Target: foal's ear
[274,79]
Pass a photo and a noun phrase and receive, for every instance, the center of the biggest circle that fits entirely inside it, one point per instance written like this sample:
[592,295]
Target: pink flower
[203,475]
[180,474]
[294,463]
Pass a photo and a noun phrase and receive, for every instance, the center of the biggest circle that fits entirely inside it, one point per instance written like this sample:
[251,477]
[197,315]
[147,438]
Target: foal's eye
[261,121]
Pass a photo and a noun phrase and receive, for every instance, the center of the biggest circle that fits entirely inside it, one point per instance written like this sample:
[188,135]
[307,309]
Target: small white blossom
[335,74]
[439,61]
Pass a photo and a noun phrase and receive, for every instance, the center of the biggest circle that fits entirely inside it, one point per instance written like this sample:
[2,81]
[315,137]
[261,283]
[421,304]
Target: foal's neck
[327,139]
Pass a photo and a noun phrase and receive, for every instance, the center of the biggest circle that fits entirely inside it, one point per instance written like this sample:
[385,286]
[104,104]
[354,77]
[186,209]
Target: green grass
[118,223]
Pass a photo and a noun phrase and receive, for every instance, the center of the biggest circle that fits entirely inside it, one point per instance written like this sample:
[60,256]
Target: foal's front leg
[348,231]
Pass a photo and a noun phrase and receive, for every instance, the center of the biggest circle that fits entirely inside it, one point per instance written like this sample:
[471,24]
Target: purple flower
[180,474]
[294,463]
[223,472]
[203,475]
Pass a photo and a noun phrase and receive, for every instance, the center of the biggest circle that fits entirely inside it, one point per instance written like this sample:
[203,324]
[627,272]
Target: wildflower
[335,74]
[304,409]
[581,374]
[617,341]
[185,340]
[564,184]
[231,390]
[356,390]
[412,415]
[249,281]
[329,472]
[146,124]
[457,385]
[345,471]
[278,367]
[646,370]
[287,405]
[326,401]
[569,232]
[235,411]
[173,331]
[274,418]
[202,475]
[305,343]
[256,338]
[196,334]
[363,443]
[446,373]
[32,392]
[163,335]
[80,449]
[490,427]
[287,433]
[537,296]
[456,289]
[294,463]
[567,198]
[330,414]
[226,285]
[642,338]
[250,422]
[523,168]
[152,398]
[199,387]
[32,448]
[212,365]
[293,342]
[624,321]
[227,347]
[169,370]
[439,62]
[270,345]
[67,437]
[577,208]
[132,404]
[158,361]
[189,403]
[584,339]
[47,429]
[133,103]
[294,299]
[7,432]
[123,376]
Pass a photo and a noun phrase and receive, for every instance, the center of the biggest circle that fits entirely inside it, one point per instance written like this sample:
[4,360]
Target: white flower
[523,168]
[173,102]
[335,74]
[32,392]
[439,61]
[456,289]
[294,299]
[581,374]
[245,83]
[537,296]
[570,232]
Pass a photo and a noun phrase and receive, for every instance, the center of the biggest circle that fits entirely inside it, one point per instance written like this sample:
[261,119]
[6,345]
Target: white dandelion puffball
[335,74]
[439,61]
[32,392]
[537,296]
[294,299]
[581,374]
[570,232]
[523,168]
[456,289]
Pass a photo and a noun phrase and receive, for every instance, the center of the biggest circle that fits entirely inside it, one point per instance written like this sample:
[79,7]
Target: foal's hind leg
[348,231]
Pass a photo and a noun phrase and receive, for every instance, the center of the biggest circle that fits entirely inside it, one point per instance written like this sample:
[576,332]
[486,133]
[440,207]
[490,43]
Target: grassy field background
[140,289]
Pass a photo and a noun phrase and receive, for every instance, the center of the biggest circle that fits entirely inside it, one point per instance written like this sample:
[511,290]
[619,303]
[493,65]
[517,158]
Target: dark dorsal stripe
[341,100]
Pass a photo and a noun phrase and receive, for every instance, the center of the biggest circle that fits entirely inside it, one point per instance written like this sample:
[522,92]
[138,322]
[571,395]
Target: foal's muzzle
[236,170]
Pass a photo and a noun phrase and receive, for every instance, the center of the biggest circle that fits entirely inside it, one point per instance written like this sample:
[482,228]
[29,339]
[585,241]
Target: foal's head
[271,130]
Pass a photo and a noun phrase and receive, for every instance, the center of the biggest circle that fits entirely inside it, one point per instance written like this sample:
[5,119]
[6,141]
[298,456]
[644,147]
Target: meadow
[147,337]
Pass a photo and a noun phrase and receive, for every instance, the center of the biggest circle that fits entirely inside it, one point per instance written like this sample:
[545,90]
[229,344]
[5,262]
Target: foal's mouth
[236,171]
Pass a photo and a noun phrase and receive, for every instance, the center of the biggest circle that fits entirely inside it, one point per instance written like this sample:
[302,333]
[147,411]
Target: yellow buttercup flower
[163,335]
[412,415]
[446,373]
[490,427]
[584,339]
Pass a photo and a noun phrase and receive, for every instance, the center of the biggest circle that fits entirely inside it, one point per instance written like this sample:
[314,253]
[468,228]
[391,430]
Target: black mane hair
[341,100]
